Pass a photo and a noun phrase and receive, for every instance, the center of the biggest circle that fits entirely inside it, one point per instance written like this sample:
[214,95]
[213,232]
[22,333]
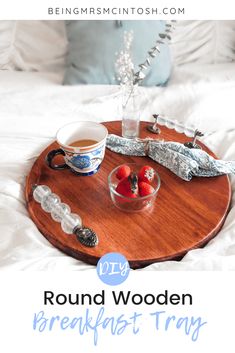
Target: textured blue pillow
[93,46]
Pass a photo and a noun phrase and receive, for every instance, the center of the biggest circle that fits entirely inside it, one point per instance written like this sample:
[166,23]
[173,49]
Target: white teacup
[83,146]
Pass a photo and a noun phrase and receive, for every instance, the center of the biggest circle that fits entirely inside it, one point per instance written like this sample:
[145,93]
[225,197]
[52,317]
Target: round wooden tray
[186,215]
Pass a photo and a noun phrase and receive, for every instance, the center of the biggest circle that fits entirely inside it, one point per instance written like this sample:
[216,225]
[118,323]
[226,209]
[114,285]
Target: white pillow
[203,41]
[32,45]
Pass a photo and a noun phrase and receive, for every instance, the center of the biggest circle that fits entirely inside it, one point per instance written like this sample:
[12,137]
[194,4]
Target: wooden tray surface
[186,215]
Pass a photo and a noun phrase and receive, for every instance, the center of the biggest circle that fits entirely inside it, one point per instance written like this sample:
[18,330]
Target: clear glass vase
[130,112]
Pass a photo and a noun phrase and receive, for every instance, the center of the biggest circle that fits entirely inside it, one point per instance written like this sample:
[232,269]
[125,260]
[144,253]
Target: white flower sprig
[124,64]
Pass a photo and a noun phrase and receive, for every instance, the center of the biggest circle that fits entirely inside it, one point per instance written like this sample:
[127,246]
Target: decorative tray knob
[193,144]
[154,128]
[71,223]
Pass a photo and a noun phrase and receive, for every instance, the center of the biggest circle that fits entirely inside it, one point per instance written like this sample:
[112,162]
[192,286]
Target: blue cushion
[93,46]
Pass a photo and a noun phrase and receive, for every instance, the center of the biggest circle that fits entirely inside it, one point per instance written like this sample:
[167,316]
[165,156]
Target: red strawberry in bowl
[146,174]
[128,186]
[145,189]
[131,194]
[123,171]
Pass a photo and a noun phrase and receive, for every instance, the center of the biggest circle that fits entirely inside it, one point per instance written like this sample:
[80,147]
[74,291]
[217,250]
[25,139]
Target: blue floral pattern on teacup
[81,162]
[85,163]
[97,152]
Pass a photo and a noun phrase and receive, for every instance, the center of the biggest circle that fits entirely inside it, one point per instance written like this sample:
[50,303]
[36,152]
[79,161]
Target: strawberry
[145,189]
[123,172]
[146,174]
[128,186]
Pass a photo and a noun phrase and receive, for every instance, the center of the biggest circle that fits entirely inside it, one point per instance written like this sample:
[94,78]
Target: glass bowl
[128,204]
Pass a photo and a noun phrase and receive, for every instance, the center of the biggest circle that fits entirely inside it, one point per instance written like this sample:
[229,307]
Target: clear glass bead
[70,221]
[49,202]
[40,192]
[59,211]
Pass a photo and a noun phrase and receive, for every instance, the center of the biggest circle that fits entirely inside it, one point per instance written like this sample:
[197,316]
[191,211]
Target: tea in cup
[83,146]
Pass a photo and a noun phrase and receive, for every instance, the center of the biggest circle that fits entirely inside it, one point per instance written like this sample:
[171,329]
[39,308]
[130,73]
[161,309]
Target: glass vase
[130,112]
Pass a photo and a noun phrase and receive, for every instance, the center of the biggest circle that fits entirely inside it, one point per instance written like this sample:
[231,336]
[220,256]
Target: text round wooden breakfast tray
[186,215]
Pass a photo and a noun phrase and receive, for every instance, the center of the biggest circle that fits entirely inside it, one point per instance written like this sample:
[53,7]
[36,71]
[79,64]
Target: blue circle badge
[113,268]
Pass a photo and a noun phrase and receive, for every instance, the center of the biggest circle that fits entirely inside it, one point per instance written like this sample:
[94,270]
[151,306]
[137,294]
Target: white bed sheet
[34,105]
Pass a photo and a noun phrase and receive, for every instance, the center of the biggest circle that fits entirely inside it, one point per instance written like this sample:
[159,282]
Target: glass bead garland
[70,222]
[40,192]
[49,202]
[60,212]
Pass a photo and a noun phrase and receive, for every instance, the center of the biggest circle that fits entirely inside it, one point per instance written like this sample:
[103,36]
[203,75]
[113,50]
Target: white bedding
[34,105]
